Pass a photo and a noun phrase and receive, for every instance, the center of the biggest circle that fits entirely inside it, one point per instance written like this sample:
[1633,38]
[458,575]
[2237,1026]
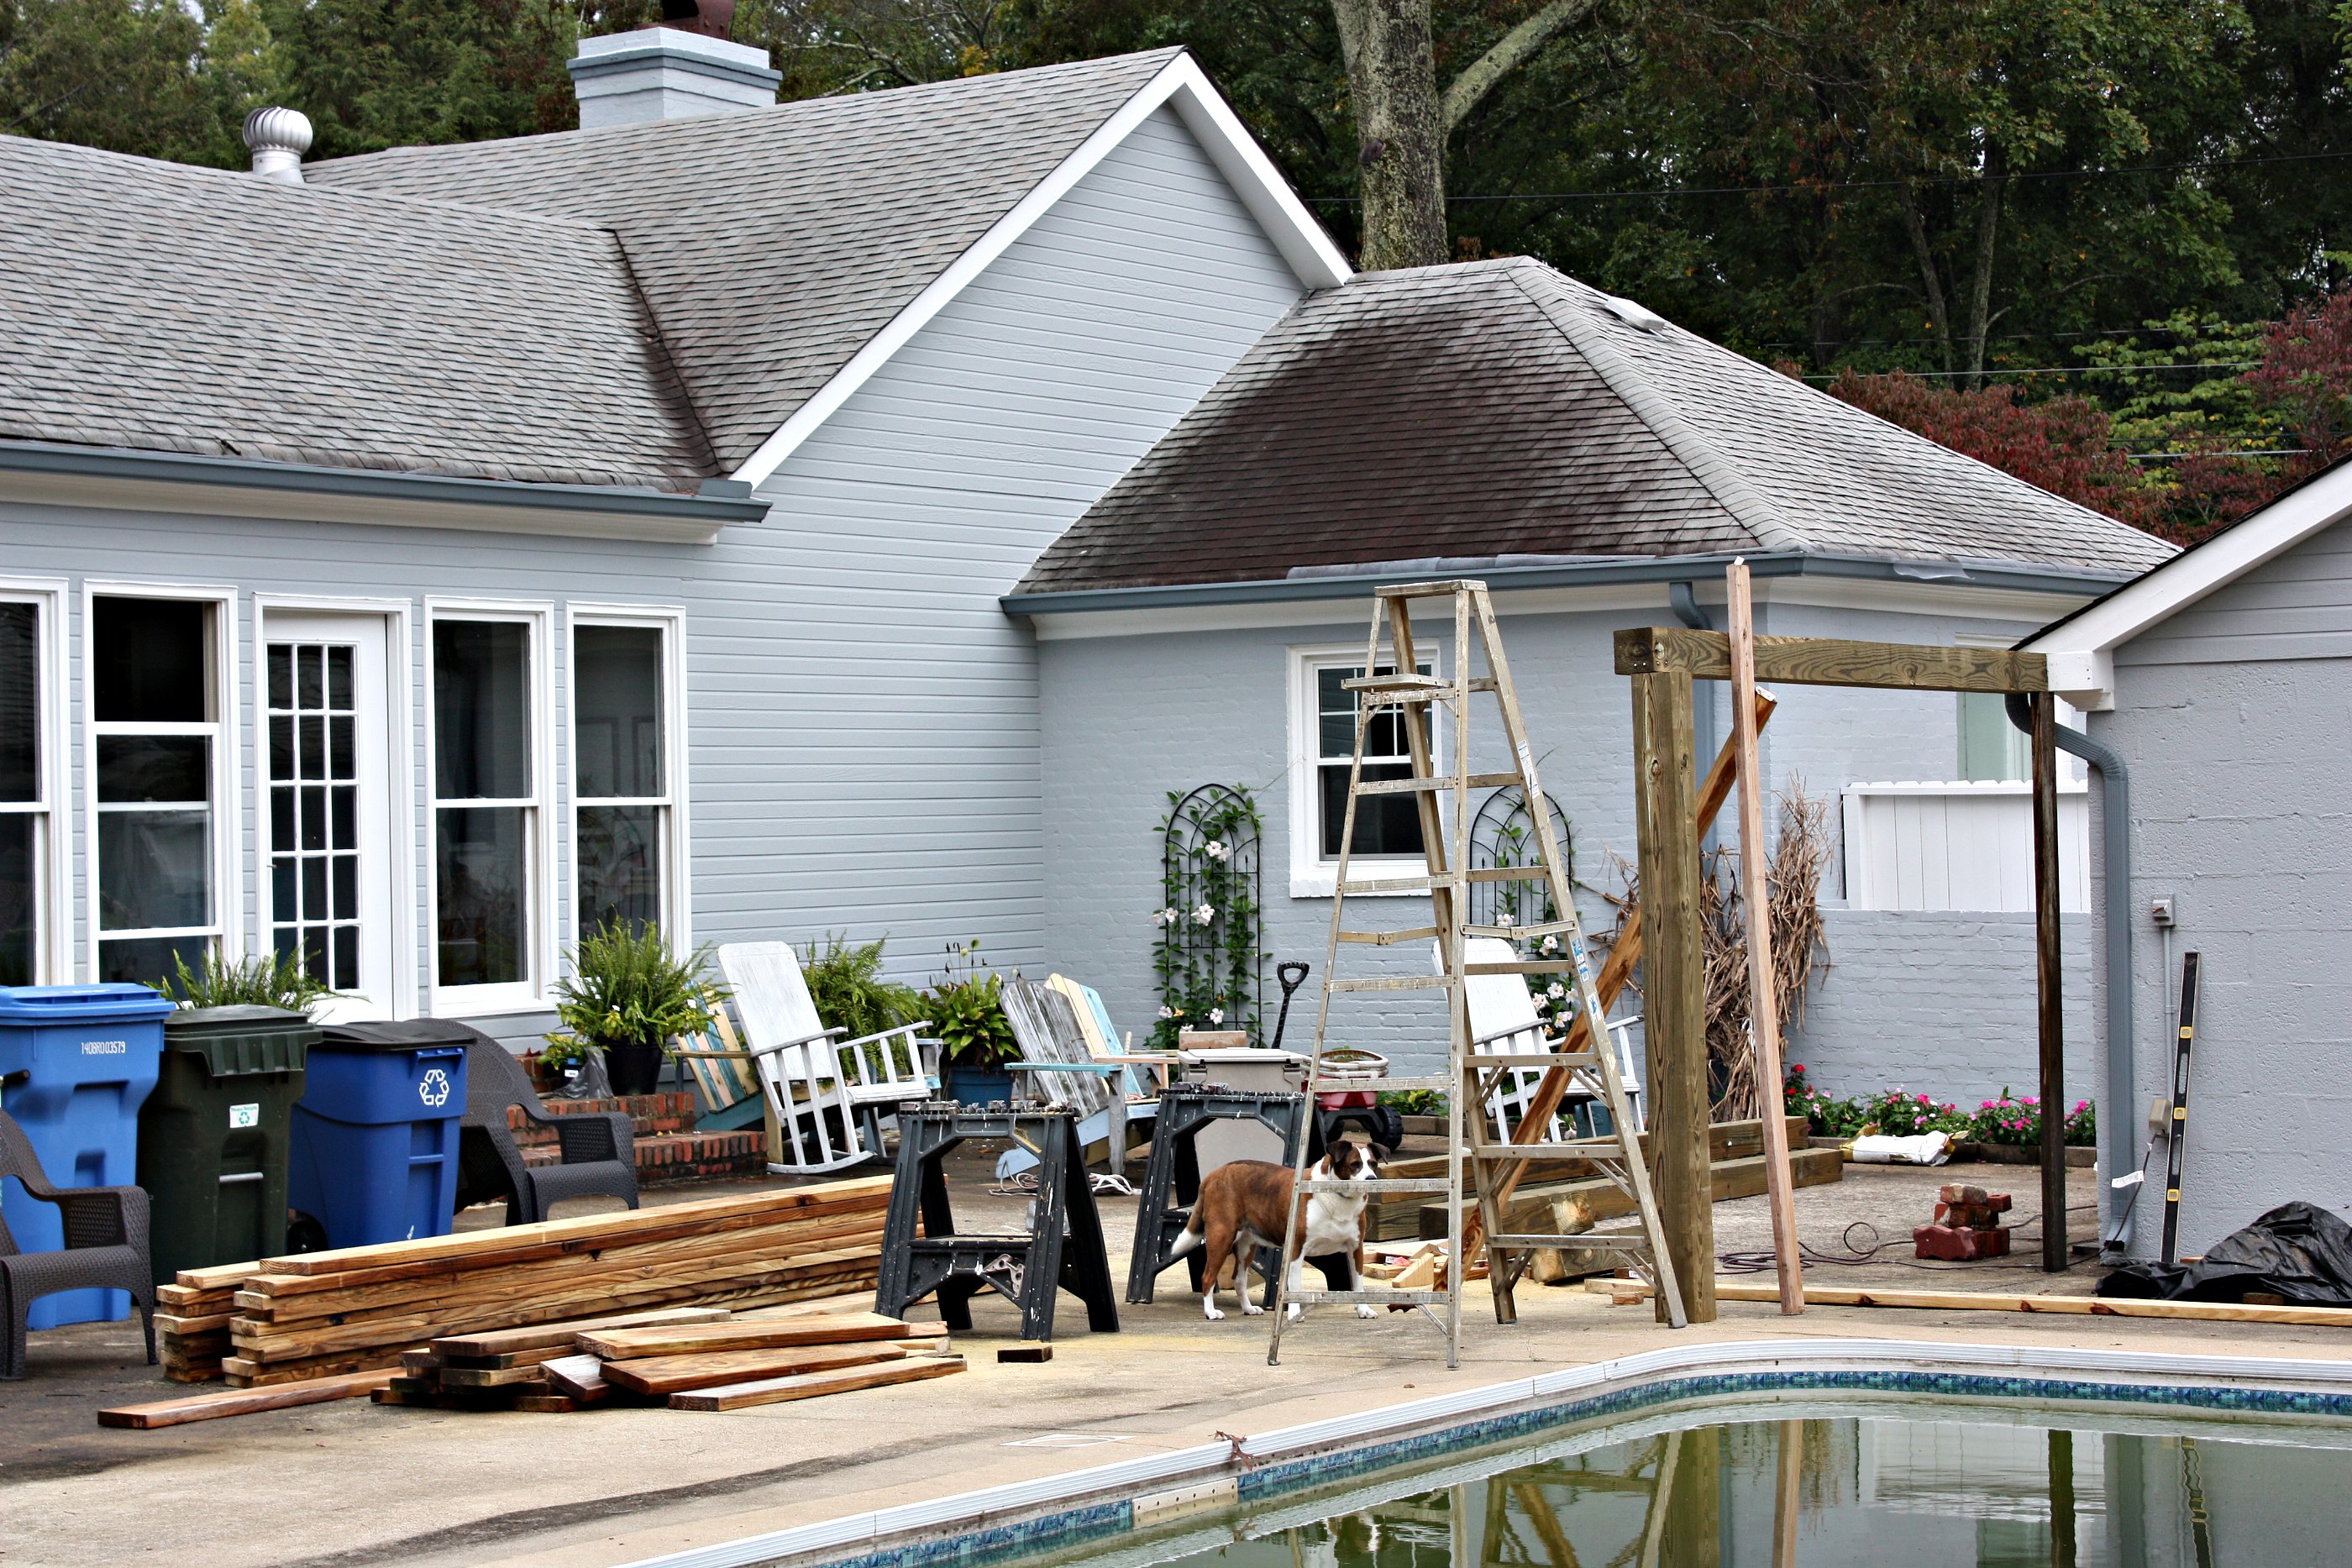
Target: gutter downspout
[2115,865]
[1682,596]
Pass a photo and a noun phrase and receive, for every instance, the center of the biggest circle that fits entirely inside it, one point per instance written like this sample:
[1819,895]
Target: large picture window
[487,800]
[155,727]
[621,769]
[24,805]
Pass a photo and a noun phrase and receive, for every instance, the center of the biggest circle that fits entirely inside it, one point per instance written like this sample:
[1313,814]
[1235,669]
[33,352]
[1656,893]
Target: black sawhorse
[1171,1181]
[1062,1247]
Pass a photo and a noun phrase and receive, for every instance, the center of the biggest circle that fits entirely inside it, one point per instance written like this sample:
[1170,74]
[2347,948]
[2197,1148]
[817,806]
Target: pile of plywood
[318,1315]
[687,1359]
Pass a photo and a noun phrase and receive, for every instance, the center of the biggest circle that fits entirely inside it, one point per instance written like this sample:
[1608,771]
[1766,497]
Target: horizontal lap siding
[2236,716]
[862,713]
[897,722]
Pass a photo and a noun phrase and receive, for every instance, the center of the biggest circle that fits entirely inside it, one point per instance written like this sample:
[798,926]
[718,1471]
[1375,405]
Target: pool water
[1975,1485]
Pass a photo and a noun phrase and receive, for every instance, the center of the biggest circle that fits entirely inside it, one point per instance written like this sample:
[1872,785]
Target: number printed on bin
[105,1048]
[242,1116]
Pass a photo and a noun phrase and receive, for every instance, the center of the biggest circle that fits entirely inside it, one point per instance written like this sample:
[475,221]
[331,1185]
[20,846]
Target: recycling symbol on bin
[434,1089]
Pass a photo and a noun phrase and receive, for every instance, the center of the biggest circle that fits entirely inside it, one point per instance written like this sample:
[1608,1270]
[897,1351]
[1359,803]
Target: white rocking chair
[1503,1018]
[829,1095]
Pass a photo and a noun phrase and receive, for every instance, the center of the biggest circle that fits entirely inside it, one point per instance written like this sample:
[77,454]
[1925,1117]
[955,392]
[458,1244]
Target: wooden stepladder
[1393,688]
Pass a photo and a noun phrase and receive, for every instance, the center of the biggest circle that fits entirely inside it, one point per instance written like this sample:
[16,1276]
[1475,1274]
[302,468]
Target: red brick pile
[1967,1225]
[668,1147]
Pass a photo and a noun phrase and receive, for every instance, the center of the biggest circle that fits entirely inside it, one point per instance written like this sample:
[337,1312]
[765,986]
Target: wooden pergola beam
[1831,661]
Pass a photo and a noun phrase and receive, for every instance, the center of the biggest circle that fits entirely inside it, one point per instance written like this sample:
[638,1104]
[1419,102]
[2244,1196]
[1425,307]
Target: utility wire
[1827,185]
[2048,370]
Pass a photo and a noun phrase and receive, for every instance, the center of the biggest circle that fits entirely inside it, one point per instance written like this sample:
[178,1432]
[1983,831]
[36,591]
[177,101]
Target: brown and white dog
[1240,1209]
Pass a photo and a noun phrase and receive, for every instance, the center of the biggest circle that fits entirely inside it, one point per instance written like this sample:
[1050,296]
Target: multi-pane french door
[327,886]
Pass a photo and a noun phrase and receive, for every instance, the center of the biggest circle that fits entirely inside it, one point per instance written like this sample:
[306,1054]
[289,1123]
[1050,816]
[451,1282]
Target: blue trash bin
[76,1064]
[374,1156]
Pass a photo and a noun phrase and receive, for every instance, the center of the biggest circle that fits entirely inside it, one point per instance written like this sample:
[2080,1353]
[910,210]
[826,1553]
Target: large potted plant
[966,1006]
[627,996]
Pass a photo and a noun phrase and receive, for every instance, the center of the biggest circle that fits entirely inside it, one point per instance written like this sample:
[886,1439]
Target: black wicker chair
[106,1248]
[599,1148]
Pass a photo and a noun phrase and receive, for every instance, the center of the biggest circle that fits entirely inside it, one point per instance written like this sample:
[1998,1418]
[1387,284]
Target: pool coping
[1069,1507]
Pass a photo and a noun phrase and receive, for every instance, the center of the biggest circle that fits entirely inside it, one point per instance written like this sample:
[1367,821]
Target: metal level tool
[2175,1132]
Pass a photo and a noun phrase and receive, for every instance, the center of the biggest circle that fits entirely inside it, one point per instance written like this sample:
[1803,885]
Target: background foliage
[2079,225]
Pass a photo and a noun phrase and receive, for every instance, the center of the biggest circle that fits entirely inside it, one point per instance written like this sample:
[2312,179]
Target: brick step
[649,1114]
[685,1157]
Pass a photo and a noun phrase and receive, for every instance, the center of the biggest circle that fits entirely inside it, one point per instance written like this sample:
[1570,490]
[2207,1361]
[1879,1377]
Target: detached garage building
[2223,680]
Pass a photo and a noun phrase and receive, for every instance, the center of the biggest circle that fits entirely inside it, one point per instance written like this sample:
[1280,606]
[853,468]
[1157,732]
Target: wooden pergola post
[1665,792]
[1662,661]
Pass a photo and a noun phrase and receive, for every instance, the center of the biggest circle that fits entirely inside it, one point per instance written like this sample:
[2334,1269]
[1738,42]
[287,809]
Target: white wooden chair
[1065,1039]
[1503,1018]
[828,1094]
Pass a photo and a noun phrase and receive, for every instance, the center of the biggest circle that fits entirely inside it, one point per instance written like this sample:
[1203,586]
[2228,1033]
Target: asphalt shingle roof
[153,305]
[772,244]
[1501,408]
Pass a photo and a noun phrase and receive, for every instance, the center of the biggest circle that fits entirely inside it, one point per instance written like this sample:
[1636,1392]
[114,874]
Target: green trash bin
[213,1137]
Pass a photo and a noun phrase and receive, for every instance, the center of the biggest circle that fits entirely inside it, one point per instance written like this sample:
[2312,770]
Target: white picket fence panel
[1959,846]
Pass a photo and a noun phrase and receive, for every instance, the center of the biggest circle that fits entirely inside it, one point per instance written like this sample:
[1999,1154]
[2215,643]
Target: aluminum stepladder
[1443,801]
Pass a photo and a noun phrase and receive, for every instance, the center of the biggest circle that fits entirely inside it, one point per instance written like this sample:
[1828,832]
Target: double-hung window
[487,804]
[1323,745]
[27,874]
[624,861]
[156,736]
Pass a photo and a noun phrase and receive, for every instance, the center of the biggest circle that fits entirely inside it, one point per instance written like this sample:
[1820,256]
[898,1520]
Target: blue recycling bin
[373,1155]
[76,1064]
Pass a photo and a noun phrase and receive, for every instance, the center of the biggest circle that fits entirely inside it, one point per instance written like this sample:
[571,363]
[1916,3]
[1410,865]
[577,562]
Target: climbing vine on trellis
[1503,834]
[1211,918]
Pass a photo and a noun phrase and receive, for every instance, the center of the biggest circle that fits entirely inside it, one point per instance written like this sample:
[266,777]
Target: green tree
[125,75]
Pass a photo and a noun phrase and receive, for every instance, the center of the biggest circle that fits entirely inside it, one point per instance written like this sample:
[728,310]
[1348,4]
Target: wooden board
[809,1386]
[544,1404]
[1994,1302]
[492,1376]
[1530,1206]
[635,1343]
[240,1402]
[1832,662]
[596,1228]
[581,1376]
[545,1336]
[677,1373]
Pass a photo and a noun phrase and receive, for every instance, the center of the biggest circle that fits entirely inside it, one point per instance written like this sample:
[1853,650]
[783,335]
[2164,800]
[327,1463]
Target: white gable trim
[1181,84]
[2081,648]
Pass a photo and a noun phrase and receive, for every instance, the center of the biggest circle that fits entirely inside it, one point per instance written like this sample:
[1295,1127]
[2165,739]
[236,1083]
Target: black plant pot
[634,1066]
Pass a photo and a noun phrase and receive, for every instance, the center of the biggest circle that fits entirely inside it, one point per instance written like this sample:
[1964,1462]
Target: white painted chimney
[278,138]
[663,73]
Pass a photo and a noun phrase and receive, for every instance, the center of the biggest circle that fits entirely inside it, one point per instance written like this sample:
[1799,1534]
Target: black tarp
[2298,1251]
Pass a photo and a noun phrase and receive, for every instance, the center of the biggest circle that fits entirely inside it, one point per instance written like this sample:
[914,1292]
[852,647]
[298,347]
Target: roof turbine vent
[278,138]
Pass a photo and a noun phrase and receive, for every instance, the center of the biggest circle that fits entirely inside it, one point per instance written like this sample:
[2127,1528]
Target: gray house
[1597,466]
[2222,681]
[856,515]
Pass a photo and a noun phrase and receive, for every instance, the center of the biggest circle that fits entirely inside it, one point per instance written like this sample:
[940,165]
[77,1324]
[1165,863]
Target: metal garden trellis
[1503,834]
[1210,951]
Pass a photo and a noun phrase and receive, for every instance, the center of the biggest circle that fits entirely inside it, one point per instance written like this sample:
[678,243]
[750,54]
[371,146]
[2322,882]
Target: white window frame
[53,944]
[677,918]
[542,893]
[228,927]
[1311,876]
[399,788]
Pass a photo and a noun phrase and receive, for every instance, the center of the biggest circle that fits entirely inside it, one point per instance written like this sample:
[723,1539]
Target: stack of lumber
[318,1315]
[192,1320]
[688,1360]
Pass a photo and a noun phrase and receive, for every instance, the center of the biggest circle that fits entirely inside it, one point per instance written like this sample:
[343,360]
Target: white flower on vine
[1206,913]
[1172,1012]
[1551,945]
[1505,921]
[1167,916]
[1216,1015]
[1217,850]
[1557,991]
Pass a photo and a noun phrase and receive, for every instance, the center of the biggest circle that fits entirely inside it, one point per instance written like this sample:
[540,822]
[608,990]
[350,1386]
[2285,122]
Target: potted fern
[966,1006]
[627,997]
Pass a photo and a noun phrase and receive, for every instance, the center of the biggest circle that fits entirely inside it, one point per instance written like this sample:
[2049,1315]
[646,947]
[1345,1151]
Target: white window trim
[1312,876]
[544,894]
[53,954]
[678,903]
[400,789]
[228,816]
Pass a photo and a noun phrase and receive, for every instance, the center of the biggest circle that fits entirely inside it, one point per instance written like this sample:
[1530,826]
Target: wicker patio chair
[106,1248]
[599,1148]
